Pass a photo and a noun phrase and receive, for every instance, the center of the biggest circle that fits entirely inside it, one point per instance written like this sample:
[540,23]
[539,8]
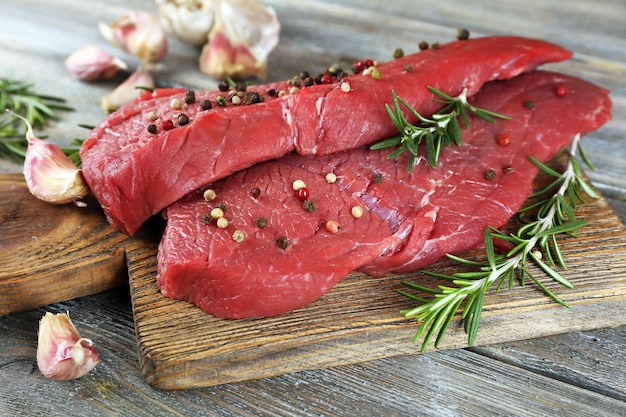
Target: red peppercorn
[358,66]
[369,63]
[326,79]
[504,139]
[167,125]
[561,91]
[302,193]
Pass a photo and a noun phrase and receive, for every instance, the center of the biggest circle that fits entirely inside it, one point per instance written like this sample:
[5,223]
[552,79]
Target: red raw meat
[134,174]
[409,220]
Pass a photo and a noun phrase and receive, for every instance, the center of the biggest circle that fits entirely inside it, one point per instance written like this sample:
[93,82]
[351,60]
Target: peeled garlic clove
[50,175]
[188,20]
[138,33]
[90,63]
[127,91]
[61,352]
[244,34]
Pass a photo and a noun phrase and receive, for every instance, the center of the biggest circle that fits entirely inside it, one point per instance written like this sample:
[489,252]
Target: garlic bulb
[90,63]
[61,352]
[139,33]
[188,20]
[50,175]
[127,91]
[244,34]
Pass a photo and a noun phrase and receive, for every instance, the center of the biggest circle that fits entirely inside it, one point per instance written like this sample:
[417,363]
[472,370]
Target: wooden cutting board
[359,320]
[53,253]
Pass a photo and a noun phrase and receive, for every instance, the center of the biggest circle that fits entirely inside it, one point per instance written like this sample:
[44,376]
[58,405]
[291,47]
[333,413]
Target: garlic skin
[138,33]
[239,43]
[127,91]
[188,20]
[50,175]
[91,63]
[62,354]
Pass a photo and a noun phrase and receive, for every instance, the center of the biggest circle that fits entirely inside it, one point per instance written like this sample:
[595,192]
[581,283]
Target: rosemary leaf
[38,109]
[554,217]
[441,129]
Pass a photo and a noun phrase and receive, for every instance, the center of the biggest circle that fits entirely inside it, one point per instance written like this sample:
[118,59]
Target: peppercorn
[182,119]
[504,139]
[304,75]
[221,100]
[206,218]
[326,79]
[209,195]
[175,104]
[302,193]
[398,53]
[261,222]
[167,125]
[378,178]
[221,206]
[490,175]
[462,34]
[561,91]
[423,45]
[435,45]
[271,92]
[190,97]
[256,192]
[223,85]
[238,236]
[309,205]
[240,86]
[252,97]
[529,104]
[152,128]
[358,66]
[308,81]
[508,169]
[332,226]
[282,242]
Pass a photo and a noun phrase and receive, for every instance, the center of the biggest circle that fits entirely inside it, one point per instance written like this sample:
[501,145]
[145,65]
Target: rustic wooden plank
[434,384]
[182,347]
[53,253]
[36,36]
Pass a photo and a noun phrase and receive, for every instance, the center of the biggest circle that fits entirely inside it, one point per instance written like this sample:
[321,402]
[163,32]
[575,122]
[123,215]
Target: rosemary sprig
[554,216]
[442,129]
[37,109]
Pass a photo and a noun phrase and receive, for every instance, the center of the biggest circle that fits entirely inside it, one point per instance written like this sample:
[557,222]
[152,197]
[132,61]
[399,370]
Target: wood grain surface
[53,253]
[579,373]
[182,347]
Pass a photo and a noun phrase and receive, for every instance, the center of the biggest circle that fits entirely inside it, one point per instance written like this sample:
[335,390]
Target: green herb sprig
[534,239]
[441,129]
[37,109]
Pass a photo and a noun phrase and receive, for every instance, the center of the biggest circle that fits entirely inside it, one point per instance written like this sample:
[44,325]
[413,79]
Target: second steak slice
[275,255]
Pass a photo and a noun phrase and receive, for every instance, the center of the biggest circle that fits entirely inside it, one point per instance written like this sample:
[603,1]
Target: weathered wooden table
[580,373]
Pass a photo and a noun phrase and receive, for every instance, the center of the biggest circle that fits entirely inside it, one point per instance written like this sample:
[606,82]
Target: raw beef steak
[288,258]
[135,173]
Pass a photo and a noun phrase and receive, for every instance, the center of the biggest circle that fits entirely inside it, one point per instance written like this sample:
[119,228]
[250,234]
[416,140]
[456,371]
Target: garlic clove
[188,20]
[90,63]
[127,91]
[138,33]
[50,174]
[244,34]
[62,353]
